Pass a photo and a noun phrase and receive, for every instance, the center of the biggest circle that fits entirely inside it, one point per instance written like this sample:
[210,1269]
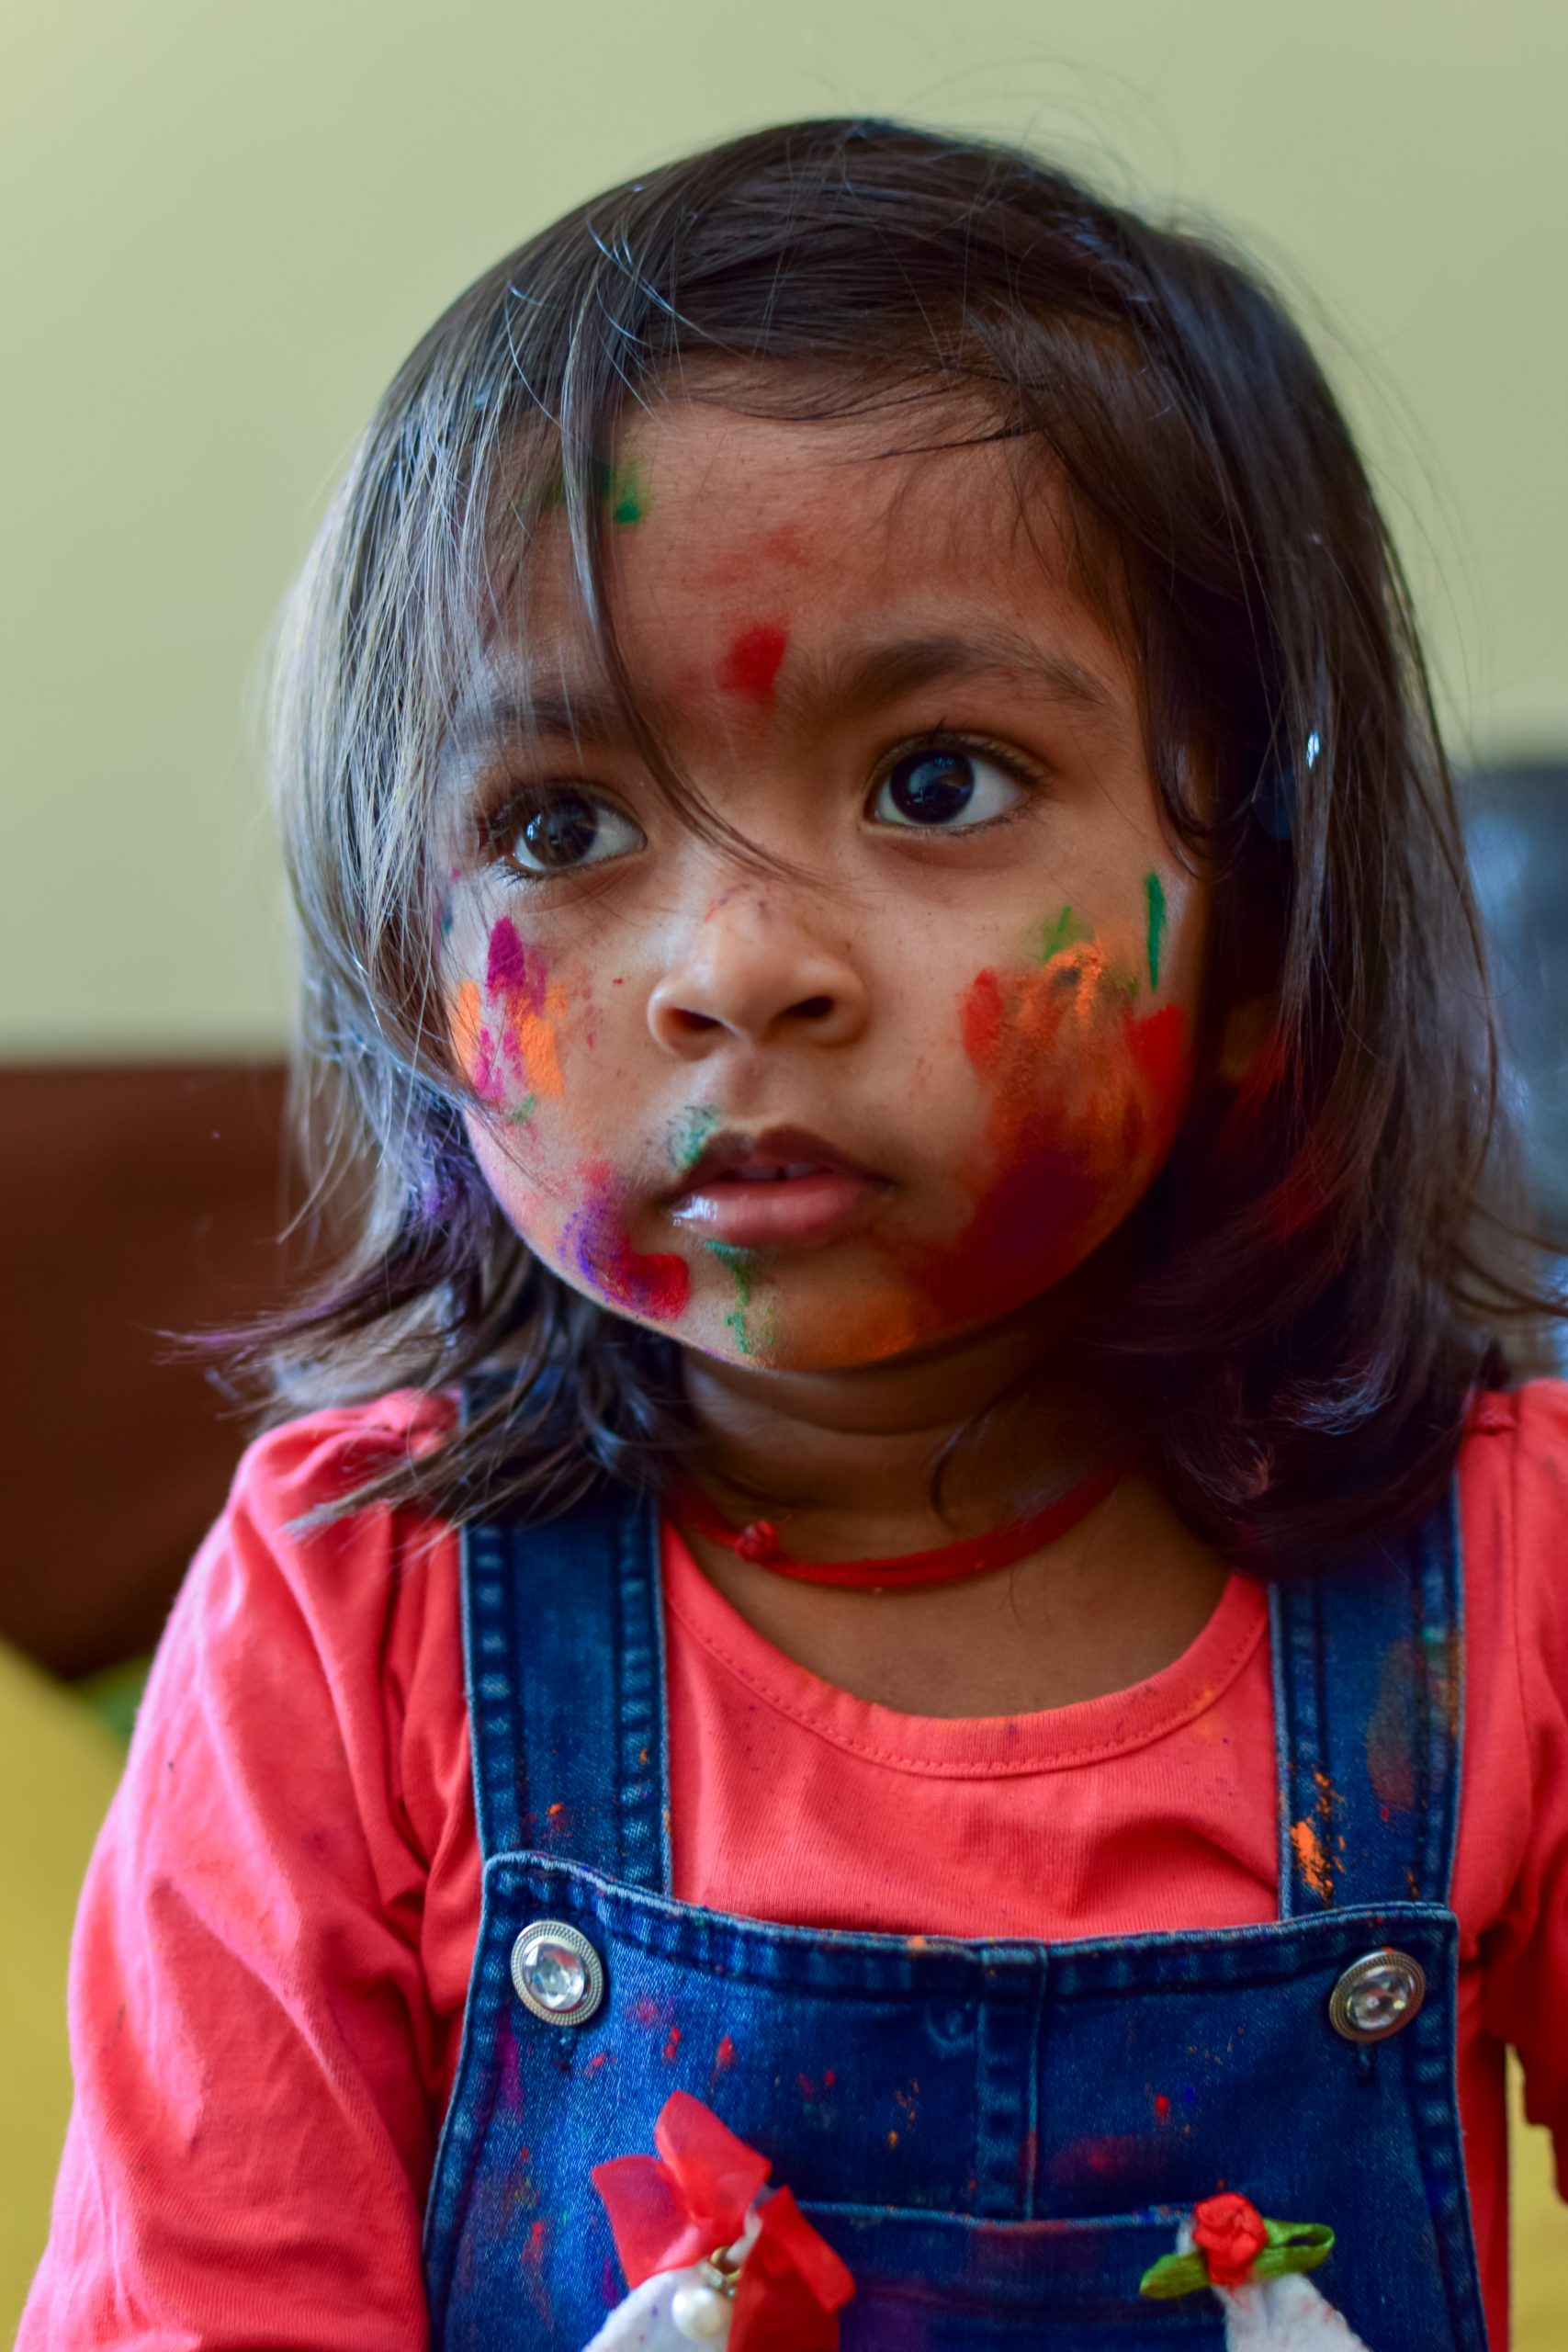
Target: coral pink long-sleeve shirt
[278,1928]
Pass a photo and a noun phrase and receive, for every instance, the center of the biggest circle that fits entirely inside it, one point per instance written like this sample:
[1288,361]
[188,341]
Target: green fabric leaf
[1173,2274]
[1274,2262]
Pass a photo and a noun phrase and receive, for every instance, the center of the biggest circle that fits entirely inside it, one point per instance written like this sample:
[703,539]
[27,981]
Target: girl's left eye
[563,831]
[945,787]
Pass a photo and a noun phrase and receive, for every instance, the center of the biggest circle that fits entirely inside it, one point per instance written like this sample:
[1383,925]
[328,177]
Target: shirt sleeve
[1525,1950]
[253,2127]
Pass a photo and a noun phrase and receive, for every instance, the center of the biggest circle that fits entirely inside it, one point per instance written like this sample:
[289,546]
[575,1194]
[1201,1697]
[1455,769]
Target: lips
[784,1186]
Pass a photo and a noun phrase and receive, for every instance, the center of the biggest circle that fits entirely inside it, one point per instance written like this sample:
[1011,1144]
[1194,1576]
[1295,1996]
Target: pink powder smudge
[511,970]
[750,665]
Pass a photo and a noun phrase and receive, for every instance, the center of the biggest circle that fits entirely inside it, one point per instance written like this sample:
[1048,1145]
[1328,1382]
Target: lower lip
[801,1209]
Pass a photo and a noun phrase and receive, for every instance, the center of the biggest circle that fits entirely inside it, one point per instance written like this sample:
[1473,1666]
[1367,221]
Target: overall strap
[1369,1717]
[563,1635]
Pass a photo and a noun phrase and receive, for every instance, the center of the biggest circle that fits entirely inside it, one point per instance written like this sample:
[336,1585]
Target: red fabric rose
[694,2198]
[1228,2232]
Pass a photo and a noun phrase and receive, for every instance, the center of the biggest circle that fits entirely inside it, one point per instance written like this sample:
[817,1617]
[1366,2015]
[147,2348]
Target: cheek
[1084,1095]
[652,1283]
[507,1032]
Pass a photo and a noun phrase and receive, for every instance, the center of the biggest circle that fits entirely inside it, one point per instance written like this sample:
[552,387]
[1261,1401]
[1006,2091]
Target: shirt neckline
[1052,1739]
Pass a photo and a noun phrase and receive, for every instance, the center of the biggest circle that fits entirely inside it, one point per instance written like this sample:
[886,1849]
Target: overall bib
[998,2138]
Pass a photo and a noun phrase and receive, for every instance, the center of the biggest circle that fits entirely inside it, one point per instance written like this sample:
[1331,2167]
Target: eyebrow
[844,683]
[876,674]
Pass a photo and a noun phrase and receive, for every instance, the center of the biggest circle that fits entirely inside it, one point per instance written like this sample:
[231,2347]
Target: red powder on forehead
[750,663]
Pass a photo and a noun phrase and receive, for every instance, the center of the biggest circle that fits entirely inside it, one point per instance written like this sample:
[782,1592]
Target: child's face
[815,1117]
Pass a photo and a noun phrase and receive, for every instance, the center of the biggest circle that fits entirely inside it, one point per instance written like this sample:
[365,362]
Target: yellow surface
[1541,2237]
[226,225]
[58,1767]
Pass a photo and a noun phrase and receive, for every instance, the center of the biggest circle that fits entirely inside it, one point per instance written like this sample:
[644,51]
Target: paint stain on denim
[1317,1850]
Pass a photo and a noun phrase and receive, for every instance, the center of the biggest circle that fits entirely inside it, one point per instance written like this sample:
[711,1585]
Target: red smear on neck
[751,660]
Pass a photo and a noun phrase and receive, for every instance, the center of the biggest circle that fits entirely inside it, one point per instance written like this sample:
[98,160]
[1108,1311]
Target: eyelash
[495,824]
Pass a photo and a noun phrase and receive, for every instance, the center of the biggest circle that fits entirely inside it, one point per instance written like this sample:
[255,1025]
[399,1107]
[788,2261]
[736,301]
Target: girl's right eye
[555,832]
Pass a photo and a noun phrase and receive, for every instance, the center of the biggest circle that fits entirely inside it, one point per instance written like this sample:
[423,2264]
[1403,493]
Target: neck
[847,1458]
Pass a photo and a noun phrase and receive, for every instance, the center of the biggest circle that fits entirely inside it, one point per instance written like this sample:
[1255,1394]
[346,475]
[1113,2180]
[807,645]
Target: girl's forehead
[744,551]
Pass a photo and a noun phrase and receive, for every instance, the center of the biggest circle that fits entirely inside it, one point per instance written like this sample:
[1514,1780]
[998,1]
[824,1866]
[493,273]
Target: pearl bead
[700,2314]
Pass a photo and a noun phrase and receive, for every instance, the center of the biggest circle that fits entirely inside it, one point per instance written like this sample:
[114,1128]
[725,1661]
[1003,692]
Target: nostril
[813,1008]
[694,1025]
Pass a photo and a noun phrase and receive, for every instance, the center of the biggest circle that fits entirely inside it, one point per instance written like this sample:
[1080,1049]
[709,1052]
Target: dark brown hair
[1301,1308]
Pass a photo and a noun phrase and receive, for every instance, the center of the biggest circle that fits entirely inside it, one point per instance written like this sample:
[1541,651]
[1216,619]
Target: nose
[755,972]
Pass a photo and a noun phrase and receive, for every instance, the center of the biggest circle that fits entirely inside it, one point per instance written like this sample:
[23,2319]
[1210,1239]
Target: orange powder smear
[468,1020]
[534,1035]
[1313,1861]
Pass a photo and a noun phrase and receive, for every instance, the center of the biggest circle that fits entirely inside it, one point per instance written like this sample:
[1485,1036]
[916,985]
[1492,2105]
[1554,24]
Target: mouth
[783,1186]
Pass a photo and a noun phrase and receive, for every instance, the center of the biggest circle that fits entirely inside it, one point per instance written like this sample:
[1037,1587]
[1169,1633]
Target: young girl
[903,1541]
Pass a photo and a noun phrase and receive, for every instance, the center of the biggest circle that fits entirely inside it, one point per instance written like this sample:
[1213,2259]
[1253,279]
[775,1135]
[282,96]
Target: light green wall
[226,223]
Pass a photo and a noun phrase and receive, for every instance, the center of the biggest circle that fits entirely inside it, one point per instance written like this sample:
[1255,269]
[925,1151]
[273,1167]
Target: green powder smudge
[689,1133]
[1153,891]
[620,488]
[625,494]
[742,1265]
[1063,930]
[524,1111]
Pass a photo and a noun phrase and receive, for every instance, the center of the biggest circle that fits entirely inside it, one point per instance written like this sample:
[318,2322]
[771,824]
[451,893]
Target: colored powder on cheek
[532,1042]
[655,1283]
[532,1009]
[1062,929]
[1160,1049]
[466,1028]
[1154,892]
[981,1016]
[474,1046]
[506,969]
[751,661]
[1050,1151]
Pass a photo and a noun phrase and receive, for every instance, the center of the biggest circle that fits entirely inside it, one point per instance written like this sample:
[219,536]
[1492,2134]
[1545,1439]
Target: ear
[1244,1038]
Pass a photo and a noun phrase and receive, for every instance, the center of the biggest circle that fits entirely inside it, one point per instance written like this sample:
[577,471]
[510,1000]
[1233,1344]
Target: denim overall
[999,2137]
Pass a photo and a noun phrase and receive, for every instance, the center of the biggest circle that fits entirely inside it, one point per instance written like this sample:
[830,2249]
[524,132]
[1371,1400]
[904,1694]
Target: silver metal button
[1377,1996]
[558,1973]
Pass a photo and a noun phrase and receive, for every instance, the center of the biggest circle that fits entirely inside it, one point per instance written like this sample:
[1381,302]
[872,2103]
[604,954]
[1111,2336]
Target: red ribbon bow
[666,2214]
